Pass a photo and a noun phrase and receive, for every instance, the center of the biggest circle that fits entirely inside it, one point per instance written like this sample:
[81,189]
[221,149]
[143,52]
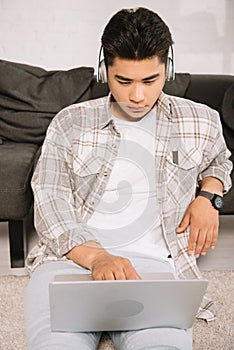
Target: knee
[154,338]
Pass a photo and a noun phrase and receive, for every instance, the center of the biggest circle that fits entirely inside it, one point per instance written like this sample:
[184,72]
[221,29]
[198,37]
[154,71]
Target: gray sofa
[31,96]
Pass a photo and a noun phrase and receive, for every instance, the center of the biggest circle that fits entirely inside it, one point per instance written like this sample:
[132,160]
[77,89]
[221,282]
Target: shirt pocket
[86,169]
[182,168]
[87,162]
[185,159]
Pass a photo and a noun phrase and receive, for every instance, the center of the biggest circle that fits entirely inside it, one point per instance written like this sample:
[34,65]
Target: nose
[137,93]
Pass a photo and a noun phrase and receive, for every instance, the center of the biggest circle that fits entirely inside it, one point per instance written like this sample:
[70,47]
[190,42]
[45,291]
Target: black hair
[136,34]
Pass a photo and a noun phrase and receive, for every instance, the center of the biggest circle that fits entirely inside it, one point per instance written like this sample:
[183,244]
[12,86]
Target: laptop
[80,304]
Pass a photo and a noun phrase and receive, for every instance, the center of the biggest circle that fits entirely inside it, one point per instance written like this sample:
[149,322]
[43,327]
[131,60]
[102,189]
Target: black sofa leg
[16,238]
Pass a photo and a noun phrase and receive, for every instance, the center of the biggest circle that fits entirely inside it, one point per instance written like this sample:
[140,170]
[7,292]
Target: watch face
[218,202]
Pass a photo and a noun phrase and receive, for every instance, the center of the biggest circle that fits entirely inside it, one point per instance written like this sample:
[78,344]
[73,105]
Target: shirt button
[105,173]
[113,146]
[91,203]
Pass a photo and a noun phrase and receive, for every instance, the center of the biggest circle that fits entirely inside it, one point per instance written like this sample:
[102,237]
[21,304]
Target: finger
[119,266]
[200,242]
[184,224]
[131,273]
[109,275]
[207,242]
[215,237]
[120,275]
[211,239]
[103,275]
[97,276]
[133,276]
[193,235]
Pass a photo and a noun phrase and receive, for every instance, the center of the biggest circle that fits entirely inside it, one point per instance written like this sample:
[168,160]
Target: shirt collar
[106,117]
[164,105]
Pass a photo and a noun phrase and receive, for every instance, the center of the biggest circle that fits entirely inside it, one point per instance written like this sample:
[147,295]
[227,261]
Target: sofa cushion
[31,96]
[178,86]
[209,89]
[16,165]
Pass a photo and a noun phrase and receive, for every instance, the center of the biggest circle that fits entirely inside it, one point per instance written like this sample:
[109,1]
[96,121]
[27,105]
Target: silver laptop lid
[80,306]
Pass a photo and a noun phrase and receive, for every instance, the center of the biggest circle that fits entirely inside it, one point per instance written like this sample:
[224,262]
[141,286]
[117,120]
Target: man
[115,185]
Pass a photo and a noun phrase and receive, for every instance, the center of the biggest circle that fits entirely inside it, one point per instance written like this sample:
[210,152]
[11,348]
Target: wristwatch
[216,200]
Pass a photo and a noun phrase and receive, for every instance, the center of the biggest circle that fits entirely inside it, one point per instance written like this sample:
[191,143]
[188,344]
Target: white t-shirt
[128,218]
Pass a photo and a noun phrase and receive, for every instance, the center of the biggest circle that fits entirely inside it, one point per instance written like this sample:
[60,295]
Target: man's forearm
[211,184]
[84,254]
[102,265]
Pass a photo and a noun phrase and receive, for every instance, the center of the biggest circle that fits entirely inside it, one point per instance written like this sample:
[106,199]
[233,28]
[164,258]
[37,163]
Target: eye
[149,82]
[123,82]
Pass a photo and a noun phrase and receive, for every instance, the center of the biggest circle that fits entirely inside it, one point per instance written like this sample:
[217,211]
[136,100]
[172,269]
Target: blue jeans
[37,315]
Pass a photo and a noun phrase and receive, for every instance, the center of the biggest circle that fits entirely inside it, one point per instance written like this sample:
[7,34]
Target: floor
[222,258]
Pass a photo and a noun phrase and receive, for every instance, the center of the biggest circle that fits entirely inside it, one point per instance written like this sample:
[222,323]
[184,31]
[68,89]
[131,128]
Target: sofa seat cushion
[16,165]
[31,96]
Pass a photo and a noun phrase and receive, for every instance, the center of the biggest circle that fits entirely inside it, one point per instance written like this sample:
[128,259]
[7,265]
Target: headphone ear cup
[170,68]
[170,75]
[102,73]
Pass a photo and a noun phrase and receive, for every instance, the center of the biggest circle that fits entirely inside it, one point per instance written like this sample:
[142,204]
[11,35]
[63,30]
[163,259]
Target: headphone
[170,66]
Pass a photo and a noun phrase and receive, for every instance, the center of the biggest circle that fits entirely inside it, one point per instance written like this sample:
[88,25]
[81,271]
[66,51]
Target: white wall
[60,34]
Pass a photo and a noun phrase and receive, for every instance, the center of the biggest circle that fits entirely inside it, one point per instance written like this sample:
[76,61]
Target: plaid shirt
[75,165]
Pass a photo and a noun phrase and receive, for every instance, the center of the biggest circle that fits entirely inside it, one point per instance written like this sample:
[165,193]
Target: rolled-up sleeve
[216,161]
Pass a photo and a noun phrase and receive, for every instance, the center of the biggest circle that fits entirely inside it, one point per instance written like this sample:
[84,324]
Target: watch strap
[206,194]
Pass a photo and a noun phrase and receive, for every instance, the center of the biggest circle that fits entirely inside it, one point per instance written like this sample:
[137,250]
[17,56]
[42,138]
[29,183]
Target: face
[135,86]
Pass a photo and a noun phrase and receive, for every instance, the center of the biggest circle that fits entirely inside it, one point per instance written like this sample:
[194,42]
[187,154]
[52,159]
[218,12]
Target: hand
[110,267]
[103,265]
[203,219]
